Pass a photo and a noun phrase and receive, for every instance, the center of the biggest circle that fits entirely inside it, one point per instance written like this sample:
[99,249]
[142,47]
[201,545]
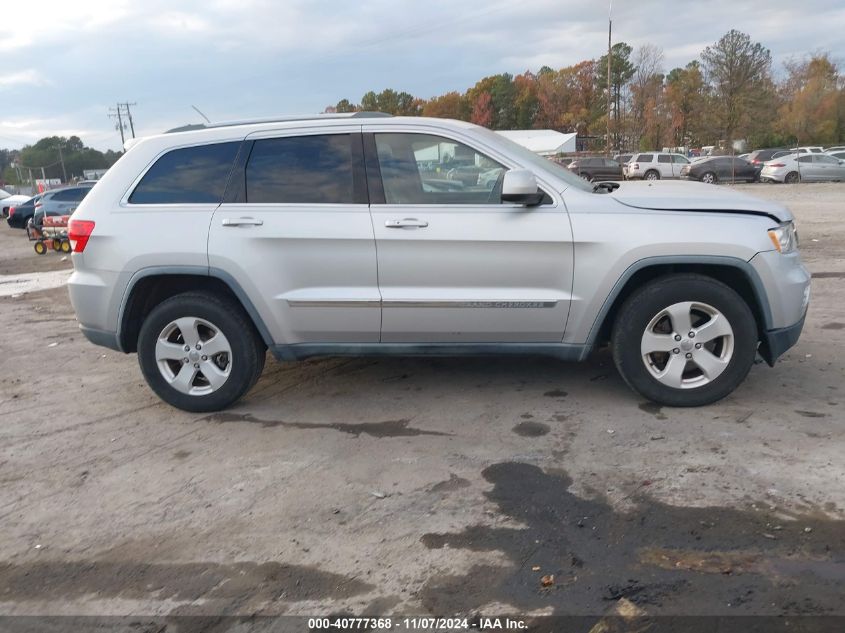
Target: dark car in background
[760,156]
[721,169]
[596,168]
[20,214]
[623,158]
[54,202]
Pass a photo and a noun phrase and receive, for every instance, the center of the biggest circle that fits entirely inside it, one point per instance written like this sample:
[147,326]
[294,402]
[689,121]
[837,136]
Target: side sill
[301,351]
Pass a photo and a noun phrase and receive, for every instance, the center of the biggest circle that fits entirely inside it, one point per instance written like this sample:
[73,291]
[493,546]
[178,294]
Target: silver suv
[363,234]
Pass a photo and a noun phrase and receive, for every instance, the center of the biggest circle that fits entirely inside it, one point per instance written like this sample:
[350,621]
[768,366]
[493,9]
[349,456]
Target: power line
[122,110]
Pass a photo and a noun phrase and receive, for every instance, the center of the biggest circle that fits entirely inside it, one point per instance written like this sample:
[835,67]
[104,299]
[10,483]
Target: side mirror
[520,186]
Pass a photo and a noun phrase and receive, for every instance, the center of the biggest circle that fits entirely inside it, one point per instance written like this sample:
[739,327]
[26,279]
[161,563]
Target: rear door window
[190,175]
[301,170]
[664,158]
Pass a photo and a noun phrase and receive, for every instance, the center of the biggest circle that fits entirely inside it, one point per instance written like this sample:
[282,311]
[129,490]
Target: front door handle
[406,223]
[242,222]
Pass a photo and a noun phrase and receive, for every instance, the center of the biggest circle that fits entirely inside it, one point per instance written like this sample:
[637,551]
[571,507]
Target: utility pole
[609,57]
[118,114]
[128,115]
[62,160]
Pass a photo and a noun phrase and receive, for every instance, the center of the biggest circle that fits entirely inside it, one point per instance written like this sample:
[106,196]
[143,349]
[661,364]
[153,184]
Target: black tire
[247,355]
[652,174]
[792,177]
[709,178]
[641,307]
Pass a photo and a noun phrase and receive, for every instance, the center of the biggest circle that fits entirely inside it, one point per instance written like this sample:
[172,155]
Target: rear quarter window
[645,158]
[190,175]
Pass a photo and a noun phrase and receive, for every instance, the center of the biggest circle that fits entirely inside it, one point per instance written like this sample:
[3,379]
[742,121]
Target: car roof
[237,130]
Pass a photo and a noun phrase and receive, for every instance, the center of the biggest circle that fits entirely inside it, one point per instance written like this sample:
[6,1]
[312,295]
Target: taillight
[12,211]
[634,166]
[78,232]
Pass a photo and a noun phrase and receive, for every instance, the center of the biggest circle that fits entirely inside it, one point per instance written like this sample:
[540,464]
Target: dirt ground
[410,486]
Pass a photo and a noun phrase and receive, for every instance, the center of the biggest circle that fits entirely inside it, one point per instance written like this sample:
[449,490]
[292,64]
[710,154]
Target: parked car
[622,158]
[8,200]
[22,213]
[840,155]
[760,156]
[319,236]
[838,148]
[803,168]
[810,149]
[596,168]
[720,169]
[63,201]
[655,166]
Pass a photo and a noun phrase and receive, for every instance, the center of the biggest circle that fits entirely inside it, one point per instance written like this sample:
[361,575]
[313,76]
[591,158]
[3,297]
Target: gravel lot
[409,486]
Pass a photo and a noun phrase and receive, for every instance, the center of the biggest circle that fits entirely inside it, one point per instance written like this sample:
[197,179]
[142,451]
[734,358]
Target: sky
[64,64]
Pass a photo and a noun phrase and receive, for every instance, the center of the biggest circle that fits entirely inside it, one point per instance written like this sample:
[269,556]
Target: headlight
[784,237]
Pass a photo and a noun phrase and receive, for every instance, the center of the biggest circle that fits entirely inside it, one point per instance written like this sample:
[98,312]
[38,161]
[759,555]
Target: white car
[8,200]
[655,166]
[803,168]
[808,149]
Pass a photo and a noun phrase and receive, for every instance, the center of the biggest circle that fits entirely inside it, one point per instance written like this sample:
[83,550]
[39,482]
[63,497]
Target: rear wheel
[792,177]
[684,340]
[709,178]
[199,352]
[652,174]
[65,246]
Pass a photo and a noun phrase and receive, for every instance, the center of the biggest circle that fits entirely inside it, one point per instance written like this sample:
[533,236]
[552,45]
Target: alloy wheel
[193,356]
[687,345]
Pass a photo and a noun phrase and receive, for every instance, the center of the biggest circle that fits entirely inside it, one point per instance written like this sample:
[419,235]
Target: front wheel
[709,178]
[199,352]
[684,340]
[652,175]
[792,177]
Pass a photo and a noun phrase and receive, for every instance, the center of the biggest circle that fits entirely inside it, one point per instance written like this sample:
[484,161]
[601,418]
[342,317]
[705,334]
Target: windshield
[530,159]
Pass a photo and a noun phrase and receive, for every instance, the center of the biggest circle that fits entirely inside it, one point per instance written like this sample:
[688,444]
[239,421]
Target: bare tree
[646,86]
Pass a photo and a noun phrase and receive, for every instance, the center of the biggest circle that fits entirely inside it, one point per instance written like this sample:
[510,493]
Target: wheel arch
[150,286]
[733,272]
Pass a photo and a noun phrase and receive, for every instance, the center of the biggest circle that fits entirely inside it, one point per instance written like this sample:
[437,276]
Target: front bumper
[774,343]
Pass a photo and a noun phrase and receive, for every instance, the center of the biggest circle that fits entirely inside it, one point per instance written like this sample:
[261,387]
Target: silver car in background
[803,168]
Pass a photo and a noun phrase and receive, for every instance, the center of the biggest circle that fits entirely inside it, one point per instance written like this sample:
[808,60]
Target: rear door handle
[242,222]
[406,223]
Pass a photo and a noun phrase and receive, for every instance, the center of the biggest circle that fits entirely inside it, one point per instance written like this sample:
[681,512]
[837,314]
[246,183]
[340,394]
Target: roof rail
[282,119]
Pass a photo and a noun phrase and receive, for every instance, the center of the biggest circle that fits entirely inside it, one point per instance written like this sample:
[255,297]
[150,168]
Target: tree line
[62,157]
[729,93]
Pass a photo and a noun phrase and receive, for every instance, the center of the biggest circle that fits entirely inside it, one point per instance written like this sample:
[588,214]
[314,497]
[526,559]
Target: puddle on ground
[388,428]
[556,393]
[531,429]
[665,558]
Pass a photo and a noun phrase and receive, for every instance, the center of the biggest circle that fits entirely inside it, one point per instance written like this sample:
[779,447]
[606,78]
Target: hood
[696,196]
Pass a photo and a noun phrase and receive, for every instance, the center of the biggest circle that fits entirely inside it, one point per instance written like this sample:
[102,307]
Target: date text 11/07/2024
[418,624]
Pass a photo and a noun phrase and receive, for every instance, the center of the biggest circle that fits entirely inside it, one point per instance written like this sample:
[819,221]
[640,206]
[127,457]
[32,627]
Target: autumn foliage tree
[730,93]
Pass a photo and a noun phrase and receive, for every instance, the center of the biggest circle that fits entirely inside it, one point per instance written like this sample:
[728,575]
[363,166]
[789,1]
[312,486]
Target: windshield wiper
[606,186]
